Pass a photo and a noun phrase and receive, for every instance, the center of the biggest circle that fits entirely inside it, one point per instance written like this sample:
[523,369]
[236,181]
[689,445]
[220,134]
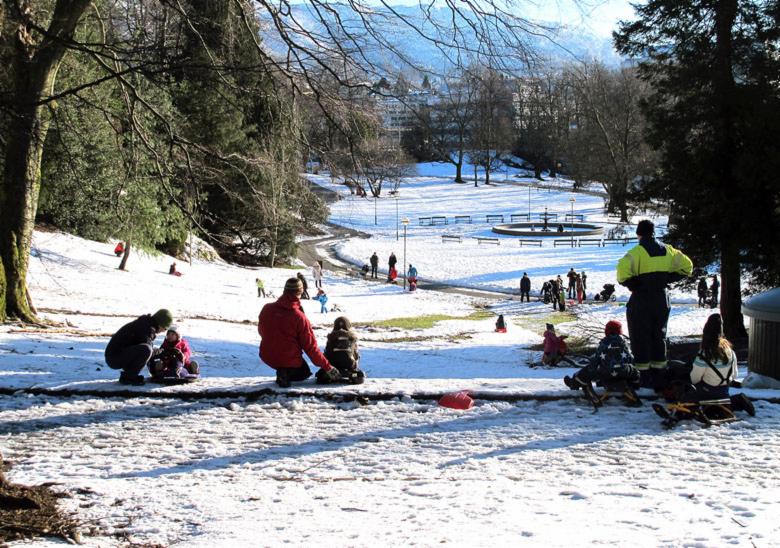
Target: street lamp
[396,195]
[375,223]
[572,200]
[404,222]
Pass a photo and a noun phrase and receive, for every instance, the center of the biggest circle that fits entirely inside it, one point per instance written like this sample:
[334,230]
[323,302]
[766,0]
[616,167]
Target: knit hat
[163,318]
[613,327]
[645,228]
[175,329]
[293,286]
[550,327]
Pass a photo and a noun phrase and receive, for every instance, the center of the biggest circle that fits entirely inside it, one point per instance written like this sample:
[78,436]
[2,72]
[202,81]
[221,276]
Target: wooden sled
[706,412]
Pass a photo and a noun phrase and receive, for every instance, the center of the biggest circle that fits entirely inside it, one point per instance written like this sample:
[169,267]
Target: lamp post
[375,223]
[396,215]
[404,222]
[572,200]
[529,203]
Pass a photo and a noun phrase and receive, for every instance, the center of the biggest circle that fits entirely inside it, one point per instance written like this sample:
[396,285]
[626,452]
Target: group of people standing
[392,272]
[708,296]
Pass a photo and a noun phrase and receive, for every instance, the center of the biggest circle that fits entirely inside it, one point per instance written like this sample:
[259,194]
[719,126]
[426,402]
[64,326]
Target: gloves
[156,352]
[333,374]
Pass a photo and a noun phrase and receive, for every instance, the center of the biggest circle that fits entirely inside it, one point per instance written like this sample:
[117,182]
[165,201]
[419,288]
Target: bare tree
[491,126]
[607,144]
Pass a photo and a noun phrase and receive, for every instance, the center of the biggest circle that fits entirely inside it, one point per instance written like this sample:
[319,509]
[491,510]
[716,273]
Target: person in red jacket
[286,334]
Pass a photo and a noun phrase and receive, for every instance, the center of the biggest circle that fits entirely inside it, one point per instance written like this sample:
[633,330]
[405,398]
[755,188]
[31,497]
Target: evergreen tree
[713,115]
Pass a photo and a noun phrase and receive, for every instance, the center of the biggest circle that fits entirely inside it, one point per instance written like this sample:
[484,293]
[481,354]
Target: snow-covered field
[471,264]
[238,471]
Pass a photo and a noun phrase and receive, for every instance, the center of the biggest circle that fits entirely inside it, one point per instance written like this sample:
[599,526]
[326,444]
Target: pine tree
[713,114]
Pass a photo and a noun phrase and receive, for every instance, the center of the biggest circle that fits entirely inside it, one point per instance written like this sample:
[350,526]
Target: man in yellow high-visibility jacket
[646,270]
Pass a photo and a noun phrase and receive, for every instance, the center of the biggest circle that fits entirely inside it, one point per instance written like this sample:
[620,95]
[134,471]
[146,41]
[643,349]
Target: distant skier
[286,334]
[525,288]
[646,270]
[131,348]
[374,265]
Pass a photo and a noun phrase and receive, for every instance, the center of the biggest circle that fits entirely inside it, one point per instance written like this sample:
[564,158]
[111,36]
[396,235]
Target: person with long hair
[715,367]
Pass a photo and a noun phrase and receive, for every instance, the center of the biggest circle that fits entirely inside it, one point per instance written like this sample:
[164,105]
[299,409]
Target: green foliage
[714,114]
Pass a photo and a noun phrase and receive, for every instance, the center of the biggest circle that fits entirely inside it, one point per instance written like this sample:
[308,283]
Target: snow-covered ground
[471,264]
[300,471]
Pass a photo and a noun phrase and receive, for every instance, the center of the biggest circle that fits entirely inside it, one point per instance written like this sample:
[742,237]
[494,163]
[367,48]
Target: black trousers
[373,271]
[296,374]
[648,314]
[526,295]
[131,359]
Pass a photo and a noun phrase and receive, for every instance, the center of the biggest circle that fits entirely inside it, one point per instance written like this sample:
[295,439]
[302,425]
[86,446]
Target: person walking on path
[316,273]
[646,270]
[525,288]
[260,287]
[302,279]
[391,262]
[715,289]
[131,348]
[572,283]
[286,334]
[374,264]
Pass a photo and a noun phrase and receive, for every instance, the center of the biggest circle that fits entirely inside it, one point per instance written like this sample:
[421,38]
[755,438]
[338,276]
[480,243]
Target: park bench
[494,218]
[621,241]
[530,243]
[481,240]
[569,242]
[438,220]
[451,238]
[574,217]
[519,217]
[424,221]
[462,219]
[590,241]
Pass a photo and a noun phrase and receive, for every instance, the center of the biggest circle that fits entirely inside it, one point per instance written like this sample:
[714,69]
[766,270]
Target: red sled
[500,329]
[457,400]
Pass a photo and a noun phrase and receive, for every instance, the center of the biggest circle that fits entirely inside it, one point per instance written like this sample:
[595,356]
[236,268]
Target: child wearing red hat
[612,362]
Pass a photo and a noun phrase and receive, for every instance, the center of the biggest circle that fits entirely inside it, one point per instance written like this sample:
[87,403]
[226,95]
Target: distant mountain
[556,47]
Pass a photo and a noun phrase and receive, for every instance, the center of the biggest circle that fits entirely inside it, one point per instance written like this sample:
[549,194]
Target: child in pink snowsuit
[174,357]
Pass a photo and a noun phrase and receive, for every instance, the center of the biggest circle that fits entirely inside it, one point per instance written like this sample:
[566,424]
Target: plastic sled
[457,400]
[175,380]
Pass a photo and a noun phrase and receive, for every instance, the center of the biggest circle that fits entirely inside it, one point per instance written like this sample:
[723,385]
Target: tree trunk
[475,176]
[537,171]
[34,72]
[459,171]
[125,255]
[731,292]
[487,174]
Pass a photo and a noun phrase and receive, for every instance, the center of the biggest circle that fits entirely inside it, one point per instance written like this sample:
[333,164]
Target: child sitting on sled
[714,369]
[342,352]
[173,360]
[555,348]
[500,324]
[611,363]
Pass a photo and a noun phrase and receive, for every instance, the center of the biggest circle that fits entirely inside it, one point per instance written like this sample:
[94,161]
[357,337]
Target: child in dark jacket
[174,358]
[342,352]
[611,362]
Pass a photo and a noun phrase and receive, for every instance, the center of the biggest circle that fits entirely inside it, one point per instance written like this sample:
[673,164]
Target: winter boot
[193,368]
[283,378]
[740,402]
[132,380]
[573,382]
